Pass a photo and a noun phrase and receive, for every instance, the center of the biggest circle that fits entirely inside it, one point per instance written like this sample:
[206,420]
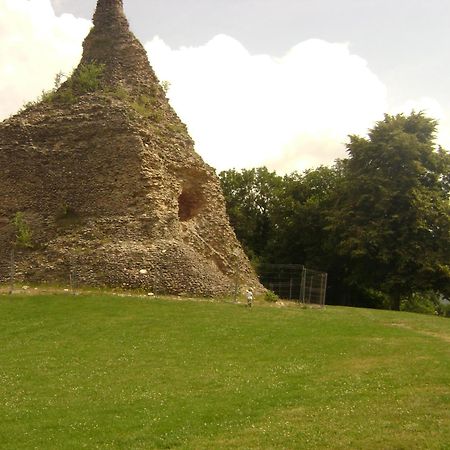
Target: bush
[443,309]
[372,298]
[271,297]
[421,302]
[66,96]
[119,92]
[144,105]
[165,86]
[88,78]
[45,97]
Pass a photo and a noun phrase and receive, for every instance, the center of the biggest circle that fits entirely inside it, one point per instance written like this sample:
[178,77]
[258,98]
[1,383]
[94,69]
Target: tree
[390,220]
[251,196]
[283,219]
[303,202]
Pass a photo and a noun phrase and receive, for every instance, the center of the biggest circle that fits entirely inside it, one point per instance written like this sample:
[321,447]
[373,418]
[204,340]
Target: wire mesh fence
[282,279]
[295,282]
[314,286]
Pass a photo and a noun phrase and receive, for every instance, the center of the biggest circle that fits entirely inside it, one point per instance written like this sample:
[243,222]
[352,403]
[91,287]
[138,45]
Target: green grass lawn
[100,371]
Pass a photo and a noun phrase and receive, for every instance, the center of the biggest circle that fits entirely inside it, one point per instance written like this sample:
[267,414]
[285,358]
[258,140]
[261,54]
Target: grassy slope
[108,372]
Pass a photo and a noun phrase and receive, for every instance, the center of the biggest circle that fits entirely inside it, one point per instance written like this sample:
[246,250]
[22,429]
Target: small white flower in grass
[143,271]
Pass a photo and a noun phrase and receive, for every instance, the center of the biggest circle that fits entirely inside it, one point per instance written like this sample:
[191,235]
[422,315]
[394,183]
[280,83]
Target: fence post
[303,285]
[12,272]
[310,288]
[72,274]
[324,289]
[72,281]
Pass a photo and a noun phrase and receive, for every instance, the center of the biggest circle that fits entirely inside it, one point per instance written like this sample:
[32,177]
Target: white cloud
[35,44]
[289,113]
[243,110]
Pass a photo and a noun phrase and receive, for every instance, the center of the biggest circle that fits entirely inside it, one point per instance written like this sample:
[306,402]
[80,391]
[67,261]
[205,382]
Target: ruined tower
[100,178]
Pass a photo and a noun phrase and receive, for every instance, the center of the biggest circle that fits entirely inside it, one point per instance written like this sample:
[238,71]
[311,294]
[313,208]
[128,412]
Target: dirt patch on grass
[442,336]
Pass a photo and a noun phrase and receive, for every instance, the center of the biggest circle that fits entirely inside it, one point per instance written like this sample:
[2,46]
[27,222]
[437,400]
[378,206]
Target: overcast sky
[274,82]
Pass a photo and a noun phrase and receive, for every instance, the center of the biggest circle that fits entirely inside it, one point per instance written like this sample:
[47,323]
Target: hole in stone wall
[189,204]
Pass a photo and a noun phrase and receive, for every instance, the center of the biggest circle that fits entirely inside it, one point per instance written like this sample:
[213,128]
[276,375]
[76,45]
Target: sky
[280,83]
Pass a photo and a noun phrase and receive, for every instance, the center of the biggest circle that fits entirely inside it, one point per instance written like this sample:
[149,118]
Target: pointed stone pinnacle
[112,44]
[109,13]
[117,4]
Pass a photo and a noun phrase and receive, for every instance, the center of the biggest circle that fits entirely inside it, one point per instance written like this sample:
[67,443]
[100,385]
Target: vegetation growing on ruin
[145,106]
[86,78]
[165,86]
[23,233]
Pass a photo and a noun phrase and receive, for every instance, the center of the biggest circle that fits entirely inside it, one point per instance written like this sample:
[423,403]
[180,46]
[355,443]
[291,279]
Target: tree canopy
[251,197]
[390,217]
[378,221]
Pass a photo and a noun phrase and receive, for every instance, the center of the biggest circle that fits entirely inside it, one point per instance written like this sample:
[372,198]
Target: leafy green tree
[390,221]
[300,235]
[251,196]
[283,219]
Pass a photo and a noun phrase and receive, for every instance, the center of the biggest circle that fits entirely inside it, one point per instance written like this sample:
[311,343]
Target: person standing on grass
[249,294]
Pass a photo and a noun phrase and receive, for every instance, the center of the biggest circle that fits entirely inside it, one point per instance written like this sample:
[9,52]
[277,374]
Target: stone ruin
[100,179]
